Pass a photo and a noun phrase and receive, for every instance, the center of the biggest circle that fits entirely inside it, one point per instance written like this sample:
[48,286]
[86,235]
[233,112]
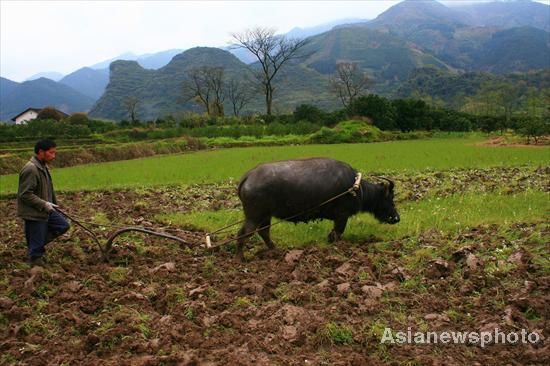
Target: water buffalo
[283,189]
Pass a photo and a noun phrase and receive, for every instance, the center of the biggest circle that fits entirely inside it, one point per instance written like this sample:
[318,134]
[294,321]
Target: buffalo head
[384,208]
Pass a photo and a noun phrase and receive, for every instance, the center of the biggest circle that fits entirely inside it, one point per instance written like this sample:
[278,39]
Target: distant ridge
[88,81]
[40,93]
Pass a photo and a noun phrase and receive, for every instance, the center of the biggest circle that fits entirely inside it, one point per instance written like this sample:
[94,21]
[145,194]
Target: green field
[221,165]
[448,215]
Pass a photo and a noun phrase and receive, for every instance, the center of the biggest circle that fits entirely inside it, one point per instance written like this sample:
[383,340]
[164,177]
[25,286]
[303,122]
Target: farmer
[36,203]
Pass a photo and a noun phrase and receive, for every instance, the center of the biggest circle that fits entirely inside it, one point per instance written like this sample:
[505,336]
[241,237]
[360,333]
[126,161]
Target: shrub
[347,132]
[487,123]
[50,113]
[534,127]
[137,134]
[310,113]
[78,118]
[379,109]
[411,114]
[304,128]
[449,120]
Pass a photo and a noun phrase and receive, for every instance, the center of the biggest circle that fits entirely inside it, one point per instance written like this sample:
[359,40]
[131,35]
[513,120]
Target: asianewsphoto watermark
[482,338]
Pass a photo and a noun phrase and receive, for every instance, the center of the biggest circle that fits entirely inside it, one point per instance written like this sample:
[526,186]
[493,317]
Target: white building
[29,114]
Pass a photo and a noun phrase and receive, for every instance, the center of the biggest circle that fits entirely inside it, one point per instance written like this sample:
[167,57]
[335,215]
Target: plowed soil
[165,303]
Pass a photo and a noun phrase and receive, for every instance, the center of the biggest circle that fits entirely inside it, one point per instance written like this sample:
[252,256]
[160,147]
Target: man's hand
[50,206]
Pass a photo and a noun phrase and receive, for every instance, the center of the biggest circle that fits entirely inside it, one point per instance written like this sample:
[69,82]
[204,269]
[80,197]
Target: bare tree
[131,104]
[195,87]
[215,81]
[239,95]
[272,52]
[205,85]
[348,82]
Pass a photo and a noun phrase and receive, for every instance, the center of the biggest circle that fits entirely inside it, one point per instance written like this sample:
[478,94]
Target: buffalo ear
[388,185]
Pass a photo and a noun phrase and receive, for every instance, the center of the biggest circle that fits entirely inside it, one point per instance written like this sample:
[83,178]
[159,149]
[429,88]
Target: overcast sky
[63,36]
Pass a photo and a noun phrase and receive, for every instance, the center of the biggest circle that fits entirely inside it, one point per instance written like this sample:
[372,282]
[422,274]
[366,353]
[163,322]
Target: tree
[411,114]
[78,118]
[205,85]
[348,82]
[310,113]
[534,101]
[379,109]
[215,81]
[239,95]
[50,113]
[507,97]
[534,127]
[272,51]
[487,95]
[131,104]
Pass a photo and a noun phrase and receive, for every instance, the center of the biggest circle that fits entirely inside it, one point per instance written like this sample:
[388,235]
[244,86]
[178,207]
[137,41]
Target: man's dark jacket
[35,186]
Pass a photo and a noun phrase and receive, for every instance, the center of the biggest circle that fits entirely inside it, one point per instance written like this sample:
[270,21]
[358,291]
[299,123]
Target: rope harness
[352,190]
[105,251]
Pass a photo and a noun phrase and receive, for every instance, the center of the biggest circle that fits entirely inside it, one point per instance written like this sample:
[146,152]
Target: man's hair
[44,145]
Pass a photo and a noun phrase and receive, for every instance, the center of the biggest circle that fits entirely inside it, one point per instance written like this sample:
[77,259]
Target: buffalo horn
[389,181]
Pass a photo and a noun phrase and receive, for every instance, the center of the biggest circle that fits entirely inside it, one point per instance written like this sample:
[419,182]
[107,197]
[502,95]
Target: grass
[333,333]
[221,165]
[449,214]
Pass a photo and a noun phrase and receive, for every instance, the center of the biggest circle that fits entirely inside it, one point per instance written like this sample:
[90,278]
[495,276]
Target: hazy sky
[62,36]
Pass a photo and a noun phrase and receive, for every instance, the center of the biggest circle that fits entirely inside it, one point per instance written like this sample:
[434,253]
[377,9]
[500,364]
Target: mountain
[52,75]
[88,81]
[40,93]
[429,35]
[459,38]
[516,49]
[129,56]
[450,88]
[298,32]
[242,54]
[507,14]
[147,60]
[383,55]
[160,91]
[157,60]
[7,86]
[409,15]
[160,59]
[499,37]
[485,48]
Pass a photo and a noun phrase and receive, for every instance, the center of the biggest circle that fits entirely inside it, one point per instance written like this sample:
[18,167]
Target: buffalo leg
[244,233]
[264,233]
[339,227]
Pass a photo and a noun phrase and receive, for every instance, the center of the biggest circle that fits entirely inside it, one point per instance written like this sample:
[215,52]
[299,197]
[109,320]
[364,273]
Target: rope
[122,229]
[352,190]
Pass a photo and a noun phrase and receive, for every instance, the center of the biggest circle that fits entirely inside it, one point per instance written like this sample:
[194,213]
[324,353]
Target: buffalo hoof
[269,253]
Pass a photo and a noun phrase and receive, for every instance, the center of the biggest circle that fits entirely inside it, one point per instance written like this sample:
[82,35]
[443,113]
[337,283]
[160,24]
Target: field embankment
[12,160]
[219,165]
[85,151]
